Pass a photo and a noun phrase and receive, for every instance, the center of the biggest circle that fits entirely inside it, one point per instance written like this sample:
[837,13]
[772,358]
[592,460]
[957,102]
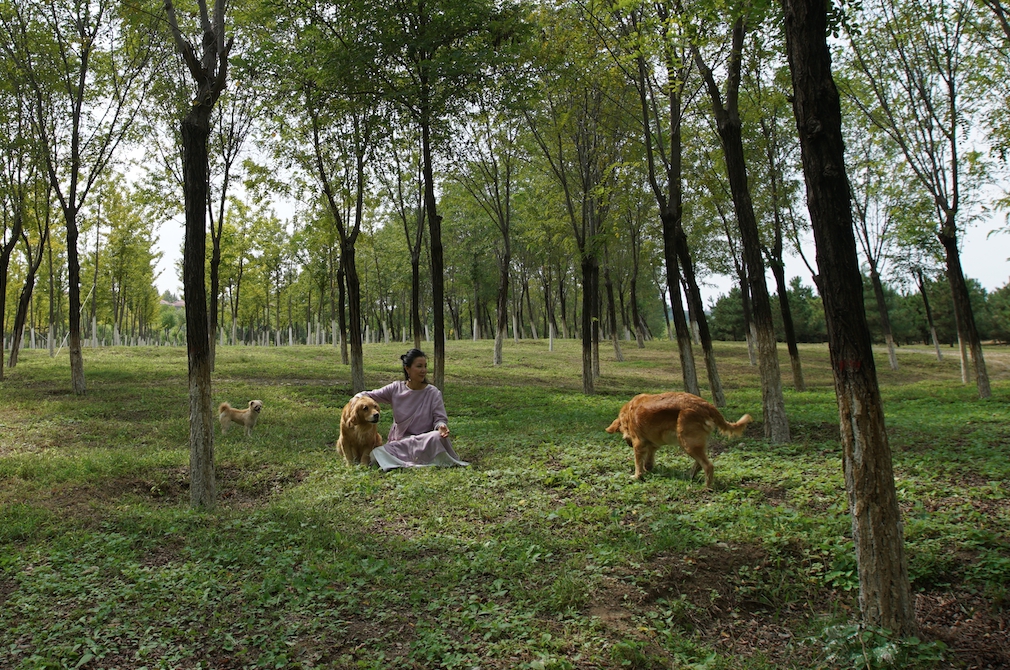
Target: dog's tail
[732,429]
[222,407]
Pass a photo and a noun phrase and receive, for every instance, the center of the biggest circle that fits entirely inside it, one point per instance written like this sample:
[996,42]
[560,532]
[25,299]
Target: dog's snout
[375,417]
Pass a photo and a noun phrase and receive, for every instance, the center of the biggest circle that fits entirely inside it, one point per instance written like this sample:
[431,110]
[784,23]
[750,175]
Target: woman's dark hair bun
[408,358]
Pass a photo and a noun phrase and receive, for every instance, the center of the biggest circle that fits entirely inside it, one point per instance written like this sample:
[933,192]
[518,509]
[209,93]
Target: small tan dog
[649,421]
[359,433]
[245,417]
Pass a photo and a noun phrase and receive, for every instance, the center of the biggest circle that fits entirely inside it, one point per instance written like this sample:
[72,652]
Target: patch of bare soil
[237,487]
[698,592]
[976,634]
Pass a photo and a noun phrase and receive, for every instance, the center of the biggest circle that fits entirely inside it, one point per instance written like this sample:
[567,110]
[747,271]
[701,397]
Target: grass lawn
[543,554]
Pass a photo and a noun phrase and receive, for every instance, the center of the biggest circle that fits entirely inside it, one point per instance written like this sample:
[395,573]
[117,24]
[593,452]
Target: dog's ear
[615,426]
[355,412]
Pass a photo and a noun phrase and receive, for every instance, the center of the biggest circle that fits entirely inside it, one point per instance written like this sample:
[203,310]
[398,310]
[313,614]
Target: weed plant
[544,553]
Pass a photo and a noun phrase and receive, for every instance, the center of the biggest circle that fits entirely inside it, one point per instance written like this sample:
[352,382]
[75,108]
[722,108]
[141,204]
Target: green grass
[543,554]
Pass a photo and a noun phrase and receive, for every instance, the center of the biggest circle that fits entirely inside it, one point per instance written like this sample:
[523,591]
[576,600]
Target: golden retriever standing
[358,431]
[649,421]
[244,417]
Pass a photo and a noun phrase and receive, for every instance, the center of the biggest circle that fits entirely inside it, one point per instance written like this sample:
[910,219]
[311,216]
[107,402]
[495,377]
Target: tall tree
[726,109]
[490,143]
[654,36]
[208,66]
[877,194]
[915,58]
[885,596]
[578,133]
[19,172]
[431,56]
[764,89]
[232,127]
[404,186]
[33,260]
[87,67]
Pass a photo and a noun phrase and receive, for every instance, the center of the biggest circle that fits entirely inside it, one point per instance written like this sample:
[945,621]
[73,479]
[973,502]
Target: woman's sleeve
[438,415]
[384,395]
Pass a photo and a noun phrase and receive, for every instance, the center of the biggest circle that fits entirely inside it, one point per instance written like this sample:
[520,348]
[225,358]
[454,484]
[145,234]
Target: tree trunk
[929,313]
[342,311]
[203,482]
[773,404]
[589,291]
[347,253]
[698,308]
[501,327]
[74,291]
[885,321]
[435,235]
[615,340]
[24,302]
[776,423]
[884,594]
[966,329]
[635,316]
[680,326]
[787,325]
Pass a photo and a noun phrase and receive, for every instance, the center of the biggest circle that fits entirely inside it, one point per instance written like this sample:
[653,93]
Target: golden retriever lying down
[244,417]
[358,431]
[649,421]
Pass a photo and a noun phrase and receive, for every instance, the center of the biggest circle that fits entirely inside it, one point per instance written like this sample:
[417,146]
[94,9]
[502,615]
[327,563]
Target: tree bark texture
[435,240]
[778,270]
[728,125]
[962,309]
[884,595]
[501,325]
[698,307]
[590,288]
[74,290]
[347,256]
[920,280]
[203,482]
[689,372]
[885,320]
[5,257]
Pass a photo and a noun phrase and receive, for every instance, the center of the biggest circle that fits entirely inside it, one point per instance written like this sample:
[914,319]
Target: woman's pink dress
[413,438]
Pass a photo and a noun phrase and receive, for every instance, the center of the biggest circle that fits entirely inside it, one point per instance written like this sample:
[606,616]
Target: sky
[984,257]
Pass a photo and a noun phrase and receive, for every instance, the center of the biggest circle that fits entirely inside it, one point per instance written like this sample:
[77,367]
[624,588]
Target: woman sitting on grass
[420,433]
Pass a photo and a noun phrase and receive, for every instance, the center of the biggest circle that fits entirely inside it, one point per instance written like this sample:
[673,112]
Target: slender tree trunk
[776,423]
[24,302]
[74,291]
[609,286]
[680,326]
[635,316]
[5,257]
[501,327]
[589,290]
[728,125]
[966,330]
[885,320]
[884,593]
[929,313]
[342,311]
[698,308]
[203,482]
[787,325]
[435,240]
[354,316]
